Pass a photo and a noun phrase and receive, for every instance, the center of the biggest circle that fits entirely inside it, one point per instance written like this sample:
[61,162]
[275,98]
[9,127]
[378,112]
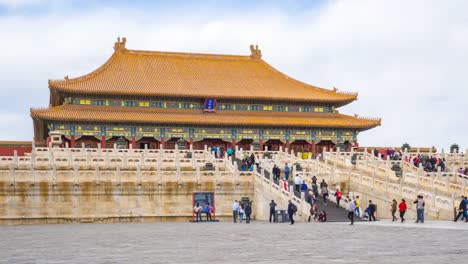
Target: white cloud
[407,59]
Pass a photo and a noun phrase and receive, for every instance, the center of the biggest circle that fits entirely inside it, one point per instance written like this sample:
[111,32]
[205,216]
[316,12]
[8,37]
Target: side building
[151,98]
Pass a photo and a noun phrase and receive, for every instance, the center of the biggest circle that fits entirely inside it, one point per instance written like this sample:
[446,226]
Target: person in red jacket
[402,206]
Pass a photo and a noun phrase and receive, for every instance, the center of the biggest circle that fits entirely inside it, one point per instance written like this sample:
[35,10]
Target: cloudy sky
[407,59]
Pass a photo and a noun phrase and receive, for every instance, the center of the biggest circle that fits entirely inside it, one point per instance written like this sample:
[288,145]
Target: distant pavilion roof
[184,116]
[153,73]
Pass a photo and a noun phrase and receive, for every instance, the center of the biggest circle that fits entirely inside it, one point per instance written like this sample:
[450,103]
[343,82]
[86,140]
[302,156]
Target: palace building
[153,98]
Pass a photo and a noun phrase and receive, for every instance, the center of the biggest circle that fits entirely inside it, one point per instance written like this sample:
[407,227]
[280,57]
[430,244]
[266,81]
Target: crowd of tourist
[390,152]
[429,163]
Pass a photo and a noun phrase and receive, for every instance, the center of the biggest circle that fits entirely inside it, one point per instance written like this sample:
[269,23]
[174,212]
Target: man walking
[461,209]
[352,207]
[393,210]
[248,212]
[420,209]
[286,171]
[235,211]
[272,210]
[372,210]
[292,209]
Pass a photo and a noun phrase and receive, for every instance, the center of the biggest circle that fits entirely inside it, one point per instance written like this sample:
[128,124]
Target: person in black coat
[248,212]
[461,209]
[291,211]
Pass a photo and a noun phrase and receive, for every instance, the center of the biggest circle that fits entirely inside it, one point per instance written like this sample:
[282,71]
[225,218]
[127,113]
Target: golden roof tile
[152,73]
[75,113]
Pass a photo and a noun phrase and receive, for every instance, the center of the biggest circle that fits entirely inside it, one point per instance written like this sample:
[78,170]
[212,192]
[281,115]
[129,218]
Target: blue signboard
[210,104]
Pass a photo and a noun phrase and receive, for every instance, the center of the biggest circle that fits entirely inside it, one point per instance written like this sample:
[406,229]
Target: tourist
[393,210]
[286,171]
[461,209]
[358,207]
[197,209]
[297,183]
[310,197]
[248,212]
[285,185]
[371,211]
[241,213]
[313,212]
[276,173]
[322,216]
[235,211]
[272,210]
[338,195]
[420,209]
[402,206]
[352,207]
[315,189]
[208,211]
[304,187]
[323,184]
[314,180]
[324,191]
[292,209]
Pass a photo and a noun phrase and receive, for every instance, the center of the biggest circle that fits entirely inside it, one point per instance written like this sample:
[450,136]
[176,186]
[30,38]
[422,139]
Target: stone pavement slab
[259,242]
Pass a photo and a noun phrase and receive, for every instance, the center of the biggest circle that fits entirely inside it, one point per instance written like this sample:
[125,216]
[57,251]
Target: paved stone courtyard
[260,242]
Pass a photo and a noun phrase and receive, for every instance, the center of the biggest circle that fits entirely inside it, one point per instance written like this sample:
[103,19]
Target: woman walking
[402,208]
[241,213]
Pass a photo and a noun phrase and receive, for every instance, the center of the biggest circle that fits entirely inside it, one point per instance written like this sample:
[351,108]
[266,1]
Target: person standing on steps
[393,210]
[235,211]
[286,171]
[297,183]
[304,187]
[352,207]
[324,191]
[272,210]
[420,209]
[402,206]
[248,212]
[292,209]
[338,195]
[372,210]
[323,184]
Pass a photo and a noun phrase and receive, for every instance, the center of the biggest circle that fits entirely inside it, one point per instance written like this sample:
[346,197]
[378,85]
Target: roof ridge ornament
[120,44]
[255,53]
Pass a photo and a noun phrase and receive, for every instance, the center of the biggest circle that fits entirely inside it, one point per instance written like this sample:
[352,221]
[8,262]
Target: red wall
[9,150]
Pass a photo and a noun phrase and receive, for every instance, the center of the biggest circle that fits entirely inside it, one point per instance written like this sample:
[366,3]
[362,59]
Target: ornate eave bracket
[255,52]
[120,44]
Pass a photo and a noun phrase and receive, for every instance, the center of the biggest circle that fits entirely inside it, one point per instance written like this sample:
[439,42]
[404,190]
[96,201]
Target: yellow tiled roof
[150,73]
[176,116]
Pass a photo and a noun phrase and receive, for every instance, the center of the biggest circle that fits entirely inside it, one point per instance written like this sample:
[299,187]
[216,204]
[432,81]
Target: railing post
[197,172]
[15,158]
[12,175]
[97,173]
[76,179]
[118,175]
[139,174]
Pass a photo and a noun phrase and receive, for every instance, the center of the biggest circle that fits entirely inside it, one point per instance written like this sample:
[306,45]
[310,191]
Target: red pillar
[134,143]
[163,142]
[260,142]
[72,141]
[314,148]
[287,144]
[103,142]
[233,143]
